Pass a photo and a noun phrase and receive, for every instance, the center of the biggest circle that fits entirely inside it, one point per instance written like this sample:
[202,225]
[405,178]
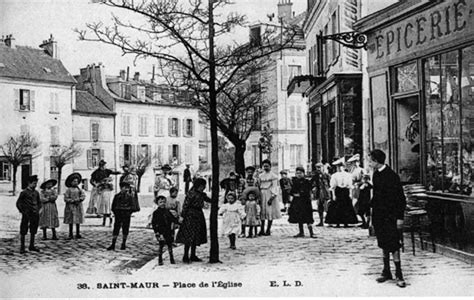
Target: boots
[110,221]
[124,241]
[112,247]
[321,220]
[170,252]
[70,237]
[398,275]
[22,246]
[311,233]
[262,228]
[386,274]
[193,256]
[45,237]
[232,241]
[301,233]
[54,234]
[32,243]
[103,220]
[186,254]
[78,233]
[268,232]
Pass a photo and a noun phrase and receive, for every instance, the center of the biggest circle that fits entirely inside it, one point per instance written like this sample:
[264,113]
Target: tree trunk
[214,250]
[15,169]
[139,182]
[60,172]
[239,158]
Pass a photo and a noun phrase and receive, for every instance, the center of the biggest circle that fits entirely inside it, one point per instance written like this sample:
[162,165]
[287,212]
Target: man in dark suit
[388,206]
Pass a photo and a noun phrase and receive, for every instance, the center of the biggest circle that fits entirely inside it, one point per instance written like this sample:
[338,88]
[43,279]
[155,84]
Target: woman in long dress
[268,184]
[341,210]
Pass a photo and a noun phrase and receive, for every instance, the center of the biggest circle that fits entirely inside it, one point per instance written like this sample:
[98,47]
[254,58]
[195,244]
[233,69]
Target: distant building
[37,95]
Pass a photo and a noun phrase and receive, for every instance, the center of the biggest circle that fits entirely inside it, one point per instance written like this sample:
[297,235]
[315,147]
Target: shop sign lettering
[443,23]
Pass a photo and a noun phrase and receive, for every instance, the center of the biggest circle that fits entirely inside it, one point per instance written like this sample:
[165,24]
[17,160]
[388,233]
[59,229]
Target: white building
[287,118]
[37,96]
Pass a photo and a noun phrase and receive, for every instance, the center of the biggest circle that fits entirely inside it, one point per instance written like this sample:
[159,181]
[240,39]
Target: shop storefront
[421,79]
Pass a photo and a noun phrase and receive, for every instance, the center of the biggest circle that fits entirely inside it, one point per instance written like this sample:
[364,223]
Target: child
[285,185]
[103,205]
[174,207]
[233,214]
[122,207]
[162,222]
[73,211]
[252,211]
[29,204]
[48,217]
[362,205]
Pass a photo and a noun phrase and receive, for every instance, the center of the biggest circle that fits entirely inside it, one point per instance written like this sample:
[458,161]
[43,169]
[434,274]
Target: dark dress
[162,222]
[388,205]
[341,210]
[301,210]
[193,228]
[363,203]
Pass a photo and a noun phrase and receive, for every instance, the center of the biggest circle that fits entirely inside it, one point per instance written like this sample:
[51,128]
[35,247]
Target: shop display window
[406,78]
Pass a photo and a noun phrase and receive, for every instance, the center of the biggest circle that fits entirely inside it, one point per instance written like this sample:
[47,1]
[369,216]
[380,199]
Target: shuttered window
[126,125]
[159,126]
[54,135]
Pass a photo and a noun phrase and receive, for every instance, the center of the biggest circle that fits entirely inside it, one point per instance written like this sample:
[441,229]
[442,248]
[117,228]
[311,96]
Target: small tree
[143,162]
[62,156]
[17,150]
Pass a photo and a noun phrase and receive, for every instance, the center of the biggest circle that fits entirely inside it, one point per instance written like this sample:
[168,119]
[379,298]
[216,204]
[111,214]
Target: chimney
[128,73]
[122,74]
[284,9]
[136,76]
[9,41]
[50,46]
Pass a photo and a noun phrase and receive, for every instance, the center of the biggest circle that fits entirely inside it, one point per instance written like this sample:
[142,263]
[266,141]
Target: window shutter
[89,159]
[284,77]
[179,127]
[170,153]
[179,154]
[51,102]
[299,121]
[193,128]
[133,155]
[170,126]
[32,100]
[121,155]
[56,102]
[185,123]
[17,99]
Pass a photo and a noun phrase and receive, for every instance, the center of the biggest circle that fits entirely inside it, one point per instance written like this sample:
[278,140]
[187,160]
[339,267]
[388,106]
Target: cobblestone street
[339,262]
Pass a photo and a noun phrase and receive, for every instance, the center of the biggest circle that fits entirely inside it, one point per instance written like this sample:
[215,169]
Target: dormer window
[156,97]
[141,95]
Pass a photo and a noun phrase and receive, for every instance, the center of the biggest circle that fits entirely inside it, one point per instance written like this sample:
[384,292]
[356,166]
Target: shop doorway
[407,134]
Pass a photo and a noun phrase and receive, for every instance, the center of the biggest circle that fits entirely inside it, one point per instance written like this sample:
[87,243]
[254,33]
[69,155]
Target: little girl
[48,215]
[173,205]
[106,189]
[252,211]
[233,214]
[73,211]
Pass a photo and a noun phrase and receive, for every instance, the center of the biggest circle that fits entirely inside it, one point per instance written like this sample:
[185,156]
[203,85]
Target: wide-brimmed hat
[71,177]
[250,168]
[166,168]
[249,190]
[354,158]
[102,162]
[52,181]
[340,161]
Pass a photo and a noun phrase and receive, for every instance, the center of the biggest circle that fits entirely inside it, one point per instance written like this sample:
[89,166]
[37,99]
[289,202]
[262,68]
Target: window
[95,131]
[173,127]
[156,97]
[292,117]
[295,155]
[158,155]
[406,78]
[127,91]
[335,29]
[25,100]
[5,173]
[54,103]
[93,157]
[326,48]
[127,154]
[53,168]
[294,71]
[174,155]
[299,117]
[255,155]
[126,125]
[189,127]
[54,135]
[143,125]
[141,95]
[257,118]
[159,126]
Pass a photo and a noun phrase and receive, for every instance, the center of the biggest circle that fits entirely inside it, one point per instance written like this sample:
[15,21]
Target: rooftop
[88,103]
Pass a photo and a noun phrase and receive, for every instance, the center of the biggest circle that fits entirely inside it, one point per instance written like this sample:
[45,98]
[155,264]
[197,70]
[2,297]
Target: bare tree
[62,156]
[143,162]
[182,35]
[17,151]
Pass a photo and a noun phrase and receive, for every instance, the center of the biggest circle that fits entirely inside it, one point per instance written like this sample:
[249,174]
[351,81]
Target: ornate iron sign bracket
[353,39]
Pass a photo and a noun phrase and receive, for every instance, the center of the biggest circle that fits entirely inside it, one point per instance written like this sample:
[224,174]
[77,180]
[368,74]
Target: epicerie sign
[442,23]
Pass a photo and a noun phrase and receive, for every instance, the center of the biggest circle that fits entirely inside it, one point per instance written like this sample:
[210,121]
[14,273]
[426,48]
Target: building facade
[286,117]
[37,96]
[420,64]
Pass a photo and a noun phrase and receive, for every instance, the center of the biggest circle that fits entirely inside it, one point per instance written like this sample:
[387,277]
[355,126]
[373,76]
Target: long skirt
[73,213]
[341,211]
[92,207]
[269,212]
[301,211]
[103,205]
[193,229]
[48,215]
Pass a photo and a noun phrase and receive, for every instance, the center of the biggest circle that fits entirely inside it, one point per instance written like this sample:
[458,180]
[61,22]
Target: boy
[29,204]
[122,207]
[162,222]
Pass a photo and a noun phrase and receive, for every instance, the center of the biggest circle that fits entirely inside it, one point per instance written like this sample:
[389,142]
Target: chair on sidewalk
[418,221]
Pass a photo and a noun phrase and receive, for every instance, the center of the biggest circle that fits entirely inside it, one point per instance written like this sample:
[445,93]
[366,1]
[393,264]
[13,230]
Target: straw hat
[71,177]
[354,158]
[52,181]
[340,161]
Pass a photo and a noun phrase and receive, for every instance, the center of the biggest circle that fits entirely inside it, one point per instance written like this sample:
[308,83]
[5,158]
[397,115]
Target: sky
[32,21]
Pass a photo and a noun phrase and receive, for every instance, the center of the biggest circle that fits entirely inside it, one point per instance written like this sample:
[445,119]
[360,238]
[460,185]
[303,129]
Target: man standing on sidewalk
[388,206]
[29,204]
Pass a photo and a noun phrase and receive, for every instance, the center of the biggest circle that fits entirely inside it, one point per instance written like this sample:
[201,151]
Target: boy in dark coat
[122,207]
[29,204]
[388,206]
[162,222]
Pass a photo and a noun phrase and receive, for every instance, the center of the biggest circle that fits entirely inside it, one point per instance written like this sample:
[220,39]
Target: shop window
[406,78]
[467,121]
